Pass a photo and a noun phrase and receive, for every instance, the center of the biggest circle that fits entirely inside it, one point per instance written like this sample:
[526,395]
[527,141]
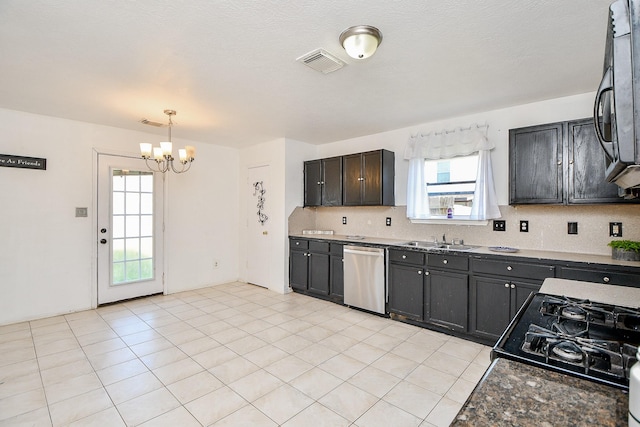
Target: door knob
[103,241]
[103,230]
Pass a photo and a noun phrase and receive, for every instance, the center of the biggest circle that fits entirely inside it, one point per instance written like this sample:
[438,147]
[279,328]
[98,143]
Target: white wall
[285,191]
[47,254]
[499,121]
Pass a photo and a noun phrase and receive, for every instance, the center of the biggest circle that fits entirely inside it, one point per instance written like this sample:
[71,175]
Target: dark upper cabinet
[587,165]
[558,163]
[323,182]
[535,164]
[368,179]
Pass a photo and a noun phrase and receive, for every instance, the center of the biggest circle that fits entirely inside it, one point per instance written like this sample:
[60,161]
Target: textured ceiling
[229,69]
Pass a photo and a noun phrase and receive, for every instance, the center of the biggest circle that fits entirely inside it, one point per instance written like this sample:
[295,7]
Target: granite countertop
[516,394]
[482,250]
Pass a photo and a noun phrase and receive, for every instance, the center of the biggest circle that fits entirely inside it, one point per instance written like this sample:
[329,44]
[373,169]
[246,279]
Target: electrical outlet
[572,228]
[615,229]
[499,225]
[388,222]
[344,220]
[524,226]
[216,263]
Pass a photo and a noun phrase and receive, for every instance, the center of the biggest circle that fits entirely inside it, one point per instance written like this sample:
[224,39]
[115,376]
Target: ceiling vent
[321,60]
[150,123]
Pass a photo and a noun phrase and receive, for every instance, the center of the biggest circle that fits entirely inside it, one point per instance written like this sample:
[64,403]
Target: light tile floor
[232,355]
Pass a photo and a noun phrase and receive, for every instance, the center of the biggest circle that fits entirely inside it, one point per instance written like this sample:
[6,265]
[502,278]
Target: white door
[130,223]
[259,246]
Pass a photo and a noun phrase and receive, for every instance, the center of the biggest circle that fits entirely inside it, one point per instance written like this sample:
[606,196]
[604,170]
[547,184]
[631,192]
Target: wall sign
[259,190]
[10,161]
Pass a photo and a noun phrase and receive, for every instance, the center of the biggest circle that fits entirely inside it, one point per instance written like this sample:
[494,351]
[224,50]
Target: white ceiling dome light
[361,41]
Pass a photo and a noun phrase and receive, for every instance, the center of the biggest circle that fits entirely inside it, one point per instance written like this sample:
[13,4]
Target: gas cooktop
[578,337]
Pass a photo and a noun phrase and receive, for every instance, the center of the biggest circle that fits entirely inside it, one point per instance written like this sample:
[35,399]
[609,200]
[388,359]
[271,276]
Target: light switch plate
[81,212]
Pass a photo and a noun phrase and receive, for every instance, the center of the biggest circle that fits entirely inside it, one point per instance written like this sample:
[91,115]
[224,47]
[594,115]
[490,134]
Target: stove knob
[606,279]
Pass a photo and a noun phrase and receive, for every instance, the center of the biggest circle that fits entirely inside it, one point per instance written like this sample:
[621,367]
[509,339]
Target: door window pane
[132,256]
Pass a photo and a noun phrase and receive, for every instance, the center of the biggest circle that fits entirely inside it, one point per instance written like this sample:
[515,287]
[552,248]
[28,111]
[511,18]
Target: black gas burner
[579,337]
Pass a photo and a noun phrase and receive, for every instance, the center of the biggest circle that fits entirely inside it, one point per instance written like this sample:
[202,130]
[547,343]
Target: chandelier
[163,155]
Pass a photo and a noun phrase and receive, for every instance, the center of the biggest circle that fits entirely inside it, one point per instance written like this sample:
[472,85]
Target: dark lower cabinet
[446,299]
[315,268]
[319,273]
[298,263]
[406,290]
[336,270]
[495,301]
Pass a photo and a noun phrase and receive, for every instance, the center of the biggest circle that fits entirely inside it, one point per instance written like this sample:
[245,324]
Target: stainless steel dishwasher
[364,278]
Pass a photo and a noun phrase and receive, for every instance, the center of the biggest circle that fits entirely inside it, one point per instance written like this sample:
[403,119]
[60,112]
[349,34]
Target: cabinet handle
[322,182]
[404,257]
[419,271]
[506,285]
[560,162]
[444,261]
[509,268]
[426,273]
[513,286]
[297,243]
[570,162]
[318,182]
[606,279]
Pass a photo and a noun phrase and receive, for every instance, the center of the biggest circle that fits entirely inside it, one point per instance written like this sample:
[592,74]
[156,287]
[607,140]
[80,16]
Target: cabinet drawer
[406,257]
[315,246]
[299,244]
[513,269]
[607,277]
[448,261]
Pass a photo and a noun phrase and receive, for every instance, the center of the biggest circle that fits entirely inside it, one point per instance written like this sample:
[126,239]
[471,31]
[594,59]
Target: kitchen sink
[439,246]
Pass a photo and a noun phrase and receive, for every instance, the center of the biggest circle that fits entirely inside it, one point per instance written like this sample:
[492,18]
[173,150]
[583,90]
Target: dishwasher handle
[364,251]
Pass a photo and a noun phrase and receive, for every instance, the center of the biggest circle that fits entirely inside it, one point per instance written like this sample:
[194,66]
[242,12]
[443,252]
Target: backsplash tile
[547,226]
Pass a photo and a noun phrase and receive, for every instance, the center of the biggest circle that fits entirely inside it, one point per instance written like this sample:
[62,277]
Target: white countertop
[608,294]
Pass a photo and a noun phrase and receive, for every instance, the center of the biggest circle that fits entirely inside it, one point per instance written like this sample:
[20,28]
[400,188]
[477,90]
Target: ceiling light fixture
[163,154]
[361,41]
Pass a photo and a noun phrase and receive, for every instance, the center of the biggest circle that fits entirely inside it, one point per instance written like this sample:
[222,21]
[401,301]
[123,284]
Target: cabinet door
[312,183]
[298,269]
[587,165]
[336,269]
[372,174]
[406,290]
[332,181]
[535,164]
[446,299]
[490,306]
[519,293]
[352,180]
[319,273]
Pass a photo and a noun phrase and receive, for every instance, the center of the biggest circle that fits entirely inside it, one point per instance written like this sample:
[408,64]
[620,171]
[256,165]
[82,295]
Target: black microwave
[617,104]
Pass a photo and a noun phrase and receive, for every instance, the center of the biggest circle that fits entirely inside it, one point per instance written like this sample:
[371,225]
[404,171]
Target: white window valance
[448,143]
